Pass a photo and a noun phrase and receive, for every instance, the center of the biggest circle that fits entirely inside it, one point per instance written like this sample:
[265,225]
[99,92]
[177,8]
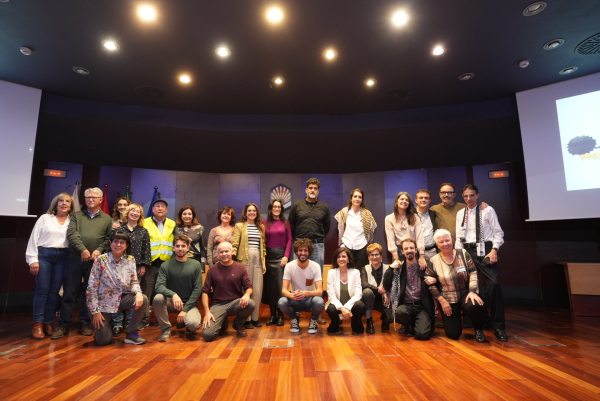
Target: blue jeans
[317,256]
[47,283]
[315,305]
[118,316]
[73,288]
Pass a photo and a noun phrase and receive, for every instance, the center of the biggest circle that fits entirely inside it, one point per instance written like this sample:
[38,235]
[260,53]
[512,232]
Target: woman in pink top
[279,248]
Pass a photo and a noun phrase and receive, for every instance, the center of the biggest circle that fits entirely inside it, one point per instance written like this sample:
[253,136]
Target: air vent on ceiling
[589,46]
[397,94]
[150,93]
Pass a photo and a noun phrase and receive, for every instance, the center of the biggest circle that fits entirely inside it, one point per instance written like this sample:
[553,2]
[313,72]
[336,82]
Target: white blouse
[47,233]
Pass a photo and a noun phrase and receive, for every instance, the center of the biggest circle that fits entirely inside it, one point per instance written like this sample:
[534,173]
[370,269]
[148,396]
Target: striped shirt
[253,237]
[455,279]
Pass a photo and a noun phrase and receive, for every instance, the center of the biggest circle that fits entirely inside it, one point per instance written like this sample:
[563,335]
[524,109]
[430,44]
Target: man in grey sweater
[88,234]
[178,288]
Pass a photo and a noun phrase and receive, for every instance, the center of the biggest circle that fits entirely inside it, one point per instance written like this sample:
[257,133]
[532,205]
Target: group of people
[125,263]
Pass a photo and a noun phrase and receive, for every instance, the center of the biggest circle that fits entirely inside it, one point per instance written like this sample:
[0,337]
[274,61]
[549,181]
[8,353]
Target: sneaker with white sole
[295,327]
[164,335]
[134,338]
[313,327]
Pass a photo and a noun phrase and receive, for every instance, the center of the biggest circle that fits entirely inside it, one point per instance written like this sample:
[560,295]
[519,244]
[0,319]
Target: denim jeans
[47,283]
[118,317]
[317,256]
[315,305]
[74,288]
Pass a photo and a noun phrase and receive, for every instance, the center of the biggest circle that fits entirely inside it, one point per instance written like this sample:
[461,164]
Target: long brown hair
[362,204]
[411,211]
[194,215]
[116,215]
[258,221]
[271,218]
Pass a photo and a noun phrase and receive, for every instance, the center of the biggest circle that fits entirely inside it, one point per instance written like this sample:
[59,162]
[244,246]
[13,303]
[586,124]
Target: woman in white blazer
[344,290]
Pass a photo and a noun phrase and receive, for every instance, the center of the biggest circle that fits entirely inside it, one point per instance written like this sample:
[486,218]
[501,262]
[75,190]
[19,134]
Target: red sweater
[226,283]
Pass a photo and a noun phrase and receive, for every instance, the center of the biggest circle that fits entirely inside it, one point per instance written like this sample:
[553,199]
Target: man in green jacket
[178,288]
[88,234]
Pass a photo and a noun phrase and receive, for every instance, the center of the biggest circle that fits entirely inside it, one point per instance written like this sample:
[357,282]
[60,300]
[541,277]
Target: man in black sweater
[178,288]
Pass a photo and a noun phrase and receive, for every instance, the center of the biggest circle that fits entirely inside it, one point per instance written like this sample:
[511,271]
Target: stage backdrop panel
[236,190]
[54,185]
[143,182]
[200,190]
[292,181]
[437,176]
[117,179]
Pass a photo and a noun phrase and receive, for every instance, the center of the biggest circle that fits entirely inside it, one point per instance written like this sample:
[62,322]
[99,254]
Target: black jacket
[309,220]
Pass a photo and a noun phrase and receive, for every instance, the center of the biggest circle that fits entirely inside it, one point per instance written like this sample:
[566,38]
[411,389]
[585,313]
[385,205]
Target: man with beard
[307,283]
[408,293]
[178,288]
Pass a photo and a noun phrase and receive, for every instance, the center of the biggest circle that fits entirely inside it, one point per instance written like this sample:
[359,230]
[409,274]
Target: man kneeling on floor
[305,277]
[409,296]
[178,289]
[114,285]
[230,286]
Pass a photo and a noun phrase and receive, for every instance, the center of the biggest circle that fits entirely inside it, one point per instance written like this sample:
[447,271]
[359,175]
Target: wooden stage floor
[550,355]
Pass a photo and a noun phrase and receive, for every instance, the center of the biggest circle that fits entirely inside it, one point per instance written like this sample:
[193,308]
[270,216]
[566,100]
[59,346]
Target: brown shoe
[241,331]
[86,330]
[60,332]
[321,320]
[49,329]
[37,333]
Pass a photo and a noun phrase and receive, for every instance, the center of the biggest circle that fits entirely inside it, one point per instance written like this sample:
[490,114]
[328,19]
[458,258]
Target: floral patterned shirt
[109,279]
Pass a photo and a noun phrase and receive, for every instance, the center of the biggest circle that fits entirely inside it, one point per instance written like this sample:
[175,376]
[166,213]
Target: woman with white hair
[46,255]
[457,289]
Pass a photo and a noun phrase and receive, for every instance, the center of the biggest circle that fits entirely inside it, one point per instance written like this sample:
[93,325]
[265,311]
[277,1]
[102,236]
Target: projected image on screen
[580,139]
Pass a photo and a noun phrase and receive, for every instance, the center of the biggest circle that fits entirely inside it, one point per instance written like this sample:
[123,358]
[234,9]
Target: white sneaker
[295,327]
[313,327]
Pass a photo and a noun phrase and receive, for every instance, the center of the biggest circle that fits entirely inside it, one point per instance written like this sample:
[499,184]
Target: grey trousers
[104,335]
[222,311]
[164,305]
[255,272]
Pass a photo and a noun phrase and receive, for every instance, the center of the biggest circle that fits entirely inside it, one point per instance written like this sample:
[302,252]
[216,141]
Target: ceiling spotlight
[553,44]
[223,51]
[111,45]
[524,63]
[277,81]
[330,54]
[534,8]
[26,51]
[466,76]
[274,14]
[81,70]
[399,18]
[568,70]
[370,82]
[185,79]
[438,51]
[147,13]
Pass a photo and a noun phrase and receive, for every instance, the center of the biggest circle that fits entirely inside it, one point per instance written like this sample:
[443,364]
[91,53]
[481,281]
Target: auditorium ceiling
[366,39]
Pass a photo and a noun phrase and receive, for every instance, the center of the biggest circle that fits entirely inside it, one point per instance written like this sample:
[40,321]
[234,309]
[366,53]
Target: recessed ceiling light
[278,81]
[438,51]
[25,51]
[147,13]
[4,1]
[223,51]
[568,70]
[534,8]
[274,14]
[81,70]
[399,18]
[111,45]
[524,63]
[370,82]
[466,76]
[185,79]
[553,44]
[330,54]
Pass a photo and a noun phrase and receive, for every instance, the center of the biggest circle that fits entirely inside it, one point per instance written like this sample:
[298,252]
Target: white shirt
[47,233]
[491,227]
[299,277]
[354,234]
[427,228]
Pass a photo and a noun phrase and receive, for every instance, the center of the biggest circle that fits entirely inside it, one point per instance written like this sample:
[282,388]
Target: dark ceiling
[487,38]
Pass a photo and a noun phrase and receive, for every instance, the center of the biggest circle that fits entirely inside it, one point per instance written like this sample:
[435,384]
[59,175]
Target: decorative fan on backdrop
[282,192]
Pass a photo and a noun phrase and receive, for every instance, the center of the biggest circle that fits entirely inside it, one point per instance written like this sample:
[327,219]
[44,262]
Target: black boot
[370,327]
[273,319]
[280,318]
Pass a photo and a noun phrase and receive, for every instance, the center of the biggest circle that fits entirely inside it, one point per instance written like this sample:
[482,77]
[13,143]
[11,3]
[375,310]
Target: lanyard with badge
[479,217]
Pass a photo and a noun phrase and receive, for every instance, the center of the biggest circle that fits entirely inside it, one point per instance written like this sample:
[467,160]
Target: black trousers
[491,293]
[415,315]
[361,258]
[148,283]
[453,323]
[358,311]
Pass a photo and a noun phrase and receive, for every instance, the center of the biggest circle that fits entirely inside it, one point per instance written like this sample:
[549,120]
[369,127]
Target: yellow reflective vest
[161,246]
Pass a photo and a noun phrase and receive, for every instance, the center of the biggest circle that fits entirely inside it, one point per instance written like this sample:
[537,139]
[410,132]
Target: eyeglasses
[447,192]
[375,255]
[93,197]
[119,242]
